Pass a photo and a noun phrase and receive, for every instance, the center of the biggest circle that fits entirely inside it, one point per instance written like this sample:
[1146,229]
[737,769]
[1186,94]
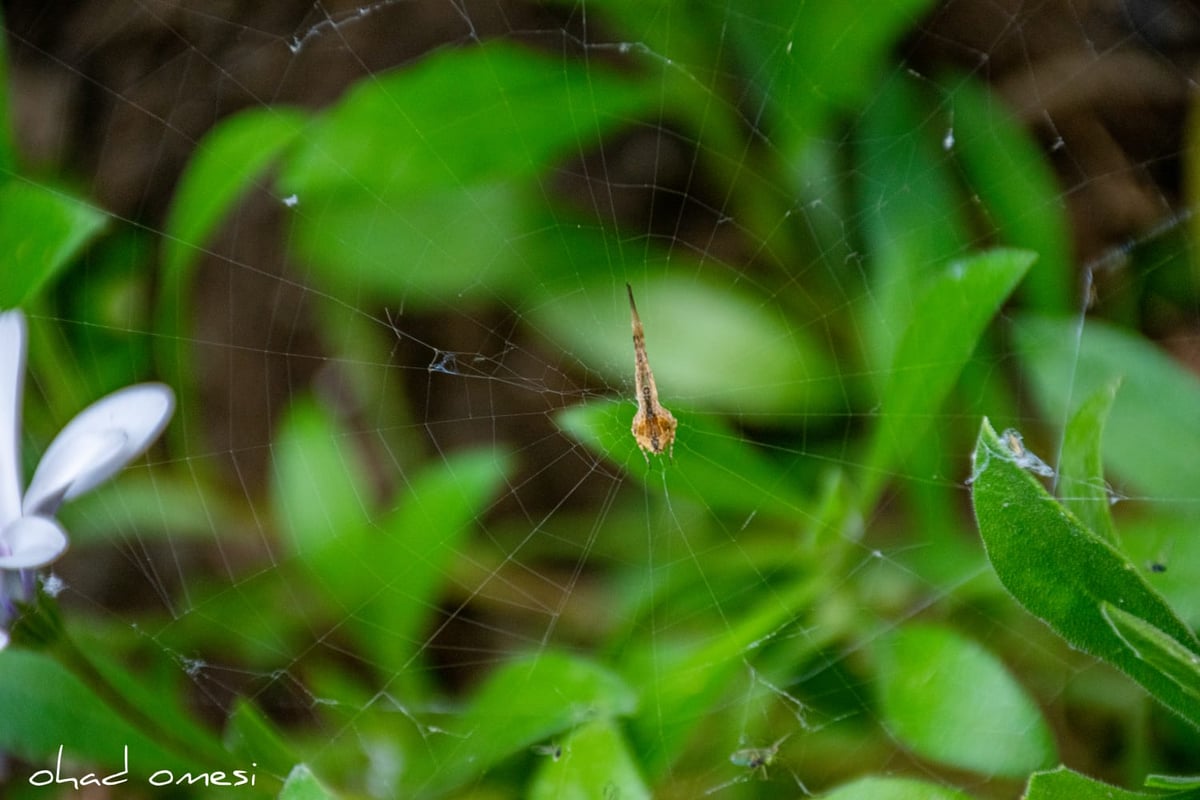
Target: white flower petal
[3,638]
[64,468]
[80,457]
[31,542]
[12,380]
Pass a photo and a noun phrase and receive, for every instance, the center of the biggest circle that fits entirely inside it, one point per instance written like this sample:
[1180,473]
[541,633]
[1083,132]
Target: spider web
[208,559]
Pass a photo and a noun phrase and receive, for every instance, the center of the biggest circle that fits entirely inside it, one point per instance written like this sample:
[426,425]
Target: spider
[653,426]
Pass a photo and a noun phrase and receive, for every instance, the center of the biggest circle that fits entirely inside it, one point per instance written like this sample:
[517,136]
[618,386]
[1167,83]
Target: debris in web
[444,361]
[553,750]
[423,728]
[332,23]
[1018,453]
[53,585]
[796,708]
[1023,457]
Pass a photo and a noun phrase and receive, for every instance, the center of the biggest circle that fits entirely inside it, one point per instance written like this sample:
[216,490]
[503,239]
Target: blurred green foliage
[827,390]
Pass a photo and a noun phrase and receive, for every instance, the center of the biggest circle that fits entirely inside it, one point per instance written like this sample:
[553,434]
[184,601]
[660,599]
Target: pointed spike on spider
[653,426]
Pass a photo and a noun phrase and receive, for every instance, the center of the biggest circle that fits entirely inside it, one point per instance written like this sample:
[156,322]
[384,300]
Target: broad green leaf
[387,574]
[43,707]
[710,463]
[1153,430]
[1064,784]
[674,54]
[301,784]
[439,243]
[960,301]
[157,505]
[1172,659]
[679,684]
[670,46]
[909,204]
[1163,545]
[811,59]
[461,117]
[872,788]
[1063,573]
[1009,173]
[678,678]
[952,701]
[523,703]
[712,347]
[421,183]
[252,738]
[153,702]
[595,764]
[1081,467]
[42,230]
[401,568]
[243,626]
[229,160]
[318,479]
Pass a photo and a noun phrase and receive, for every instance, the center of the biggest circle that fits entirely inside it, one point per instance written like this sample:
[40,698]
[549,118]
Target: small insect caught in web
[653,426]
[757,759]
[1023,457]
[553,750]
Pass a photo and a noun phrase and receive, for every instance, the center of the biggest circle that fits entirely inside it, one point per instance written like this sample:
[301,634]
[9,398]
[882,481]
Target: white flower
[93,447]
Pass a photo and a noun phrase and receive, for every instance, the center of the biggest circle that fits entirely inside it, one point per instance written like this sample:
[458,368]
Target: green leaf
[1160,543]
[398,570]
[961,299]
[871,788]
[1063,573]
[43,707]
[462,116]
[154,703]
[437,243]
[1064,784]
[387,571]
[1008,171]
[1081,467]
[1173,660]
[1173,782]
[596,764]
[318,481]
[521,704]
[158,505]
[1153,430]
[813,58]
[301,784]
[714,347]
[421,182]
[252,738]
[909,204]
[226,163]
[677,678]
[42,230]
[710,464]
[952,701]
